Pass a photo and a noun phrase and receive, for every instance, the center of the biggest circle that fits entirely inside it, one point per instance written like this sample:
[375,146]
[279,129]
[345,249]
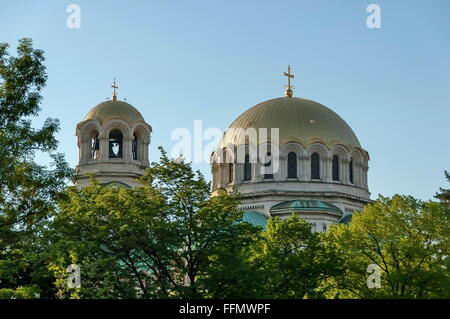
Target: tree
[291,259]
[444,194]
[231,272]
[28,191]
[409,240]
[154,241]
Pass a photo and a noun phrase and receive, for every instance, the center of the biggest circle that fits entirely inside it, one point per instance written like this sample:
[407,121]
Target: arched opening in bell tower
[134,147]
[115,144]
[95,146]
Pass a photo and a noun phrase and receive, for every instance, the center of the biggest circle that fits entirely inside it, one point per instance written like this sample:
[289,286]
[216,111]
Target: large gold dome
[114,109]
[298,119]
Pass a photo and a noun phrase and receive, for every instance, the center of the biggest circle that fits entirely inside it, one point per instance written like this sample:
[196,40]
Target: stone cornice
[108,174]
[303,194]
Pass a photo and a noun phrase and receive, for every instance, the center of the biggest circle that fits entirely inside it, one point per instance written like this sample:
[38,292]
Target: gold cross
[289,75]
[114,86]
[289,86]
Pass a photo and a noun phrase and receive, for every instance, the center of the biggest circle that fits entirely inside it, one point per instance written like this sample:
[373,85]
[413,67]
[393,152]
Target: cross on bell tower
[114,86]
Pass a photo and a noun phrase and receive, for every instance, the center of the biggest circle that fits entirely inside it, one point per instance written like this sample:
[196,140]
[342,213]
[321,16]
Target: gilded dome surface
[298,119]
[114,109]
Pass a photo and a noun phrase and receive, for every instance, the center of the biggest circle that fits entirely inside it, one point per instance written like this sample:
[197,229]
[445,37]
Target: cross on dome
[289,87]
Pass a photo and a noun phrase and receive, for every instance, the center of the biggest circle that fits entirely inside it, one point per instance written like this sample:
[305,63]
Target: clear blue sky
[179,61]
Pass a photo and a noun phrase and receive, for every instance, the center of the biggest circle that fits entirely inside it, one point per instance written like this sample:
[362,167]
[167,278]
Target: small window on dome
[269,170]
[292,165]
[315,166]
[247,168]
[335,168]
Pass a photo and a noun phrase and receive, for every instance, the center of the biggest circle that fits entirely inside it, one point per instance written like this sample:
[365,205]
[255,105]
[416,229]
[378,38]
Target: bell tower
[113,141]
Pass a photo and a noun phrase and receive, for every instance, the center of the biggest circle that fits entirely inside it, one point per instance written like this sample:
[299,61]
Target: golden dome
[114,109]
[298,119]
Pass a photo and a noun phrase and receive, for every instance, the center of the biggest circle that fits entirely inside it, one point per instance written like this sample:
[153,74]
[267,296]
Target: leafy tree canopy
[409,240]
[28,191]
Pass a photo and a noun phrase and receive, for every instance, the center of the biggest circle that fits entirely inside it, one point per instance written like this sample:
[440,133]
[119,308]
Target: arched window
[335,168]
[95,146]
[134,147]
[315,166]
[292,165]
[230,172]
[115,144]
[350,171]
[247,168]
[268,164]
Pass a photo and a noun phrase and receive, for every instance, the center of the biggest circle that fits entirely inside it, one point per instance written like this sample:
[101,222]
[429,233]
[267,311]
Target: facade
[321,170]
[113,141]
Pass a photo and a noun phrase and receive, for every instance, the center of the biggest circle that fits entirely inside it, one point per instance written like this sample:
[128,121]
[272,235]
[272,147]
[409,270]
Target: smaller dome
[255,219]
[116,184]
[305,205]
[114,109]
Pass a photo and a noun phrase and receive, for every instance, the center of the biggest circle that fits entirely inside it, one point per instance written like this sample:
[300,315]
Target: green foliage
[291,259]
[230,272]
[444,194]
[170,239]
[408,239]
[153,241]
[29,292]
[28,191]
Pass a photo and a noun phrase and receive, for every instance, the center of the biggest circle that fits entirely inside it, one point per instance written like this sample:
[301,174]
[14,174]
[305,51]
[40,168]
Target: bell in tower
[113,141]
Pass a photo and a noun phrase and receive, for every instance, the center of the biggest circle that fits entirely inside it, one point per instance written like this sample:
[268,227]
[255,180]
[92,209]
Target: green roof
[346,219]
[305,205]
[116,184]
[255,219]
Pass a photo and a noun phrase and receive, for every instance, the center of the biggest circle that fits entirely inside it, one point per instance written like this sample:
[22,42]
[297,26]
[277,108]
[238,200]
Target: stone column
[127,144]
[214,174]
[256,174]
[84,150]
[364,173]
[236,173]
[326,169]
[344,171]
[221,183]
[281,174]
[104,147]
[144,154]
[357,174]
[305,169]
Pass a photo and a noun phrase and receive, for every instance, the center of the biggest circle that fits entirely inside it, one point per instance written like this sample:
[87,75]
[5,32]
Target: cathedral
[284,155]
